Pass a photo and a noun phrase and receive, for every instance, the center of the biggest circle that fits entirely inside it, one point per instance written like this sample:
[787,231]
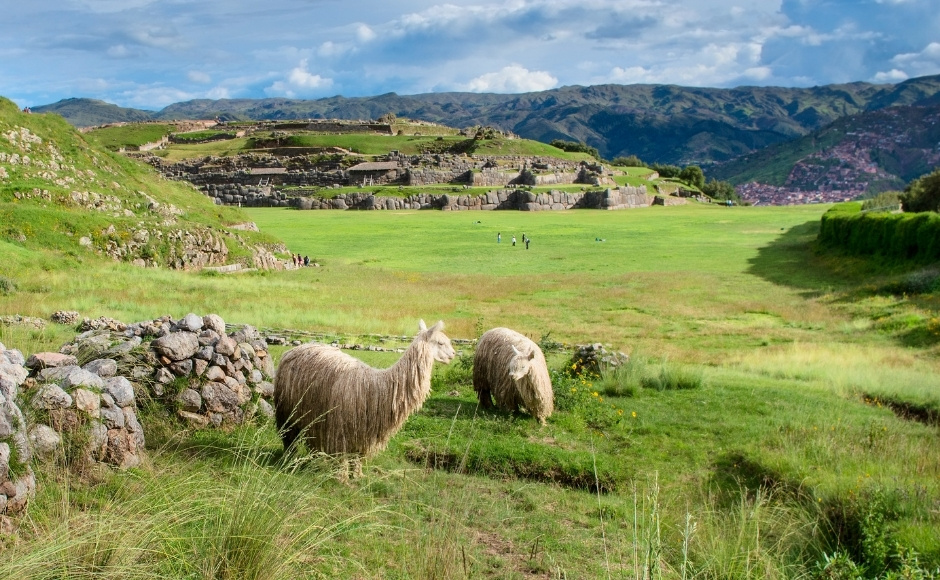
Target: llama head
[438,341]
[520,363]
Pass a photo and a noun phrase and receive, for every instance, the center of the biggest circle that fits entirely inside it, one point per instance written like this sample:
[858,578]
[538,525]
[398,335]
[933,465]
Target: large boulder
[176,346]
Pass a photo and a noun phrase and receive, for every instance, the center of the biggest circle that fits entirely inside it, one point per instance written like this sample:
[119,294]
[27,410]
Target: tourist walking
[514,240]
[499,237]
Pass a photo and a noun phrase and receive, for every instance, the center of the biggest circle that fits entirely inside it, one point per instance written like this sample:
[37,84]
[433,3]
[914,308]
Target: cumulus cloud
[300,81]
[925,62]
[364,33]
[892,76]
[512,79]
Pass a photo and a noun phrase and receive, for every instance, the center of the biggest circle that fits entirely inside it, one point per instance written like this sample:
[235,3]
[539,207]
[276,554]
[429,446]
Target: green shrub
[7,286]
[885,201]
[901,236]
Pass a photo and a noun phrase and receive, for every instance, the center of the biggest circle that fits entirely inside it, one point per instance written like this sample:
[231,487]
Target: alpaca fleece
[341,405]
[502,353]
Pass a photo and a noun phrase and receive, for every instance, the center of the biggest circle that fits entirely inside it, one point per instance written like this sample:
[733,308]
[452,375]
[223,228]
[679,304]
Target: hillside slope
[859,154]
[61,193]
[92,112]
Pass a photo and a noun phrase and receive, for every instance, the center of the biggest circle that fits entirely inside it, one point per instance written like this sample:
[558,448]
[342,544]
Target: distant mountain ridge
[658,123]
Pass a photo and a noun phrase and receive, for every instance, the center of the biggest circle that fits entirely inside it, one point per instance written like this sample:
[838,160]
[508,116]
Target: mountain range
[737,134]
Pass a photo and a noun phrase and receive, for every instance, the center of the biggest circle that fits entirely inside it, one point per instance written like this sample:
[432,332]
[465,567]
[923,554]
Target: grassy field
[752,435]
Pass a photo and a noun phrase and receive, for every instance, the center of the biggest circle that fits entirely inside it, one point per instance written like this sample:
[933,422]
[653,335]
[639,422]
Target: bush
[922,194]
[886,201]
[576,147]
[905,236]
[630,161]
[7,286]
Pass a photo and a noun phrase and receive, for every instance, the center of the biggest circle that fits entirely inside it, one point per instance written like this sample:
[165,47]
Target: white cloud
[512,79]
[300,77]
[198,77]
[892,76]
[299,81]
[925,62]
[364,33]
[218,93]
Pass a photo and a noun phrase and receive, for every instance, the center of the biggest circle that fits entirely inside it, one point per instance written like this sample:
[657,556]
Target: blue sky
[151,53]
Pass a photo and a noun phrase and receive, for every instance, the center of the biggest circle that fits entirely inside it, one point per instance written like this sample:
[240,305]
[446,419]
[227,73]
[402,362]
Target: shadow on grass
[794,259]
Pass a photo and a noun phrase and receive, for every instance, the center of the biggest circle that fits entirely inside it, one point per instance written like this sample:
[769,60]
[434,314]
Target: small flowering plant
[575,392]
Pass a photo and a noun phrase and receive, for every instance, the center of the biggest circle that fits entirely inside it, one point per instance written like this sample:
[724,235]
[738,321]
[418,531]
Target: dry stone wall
[17,480]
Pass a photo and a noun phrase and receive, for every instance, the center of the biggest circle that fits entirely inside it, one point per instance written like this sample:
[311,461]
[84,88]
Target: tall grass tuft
[256,519]
[671,377]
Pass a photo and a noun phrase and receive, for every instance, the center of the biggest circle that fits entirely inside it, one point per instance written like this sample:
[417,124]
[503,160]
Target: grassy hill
[64,194]
[92,112]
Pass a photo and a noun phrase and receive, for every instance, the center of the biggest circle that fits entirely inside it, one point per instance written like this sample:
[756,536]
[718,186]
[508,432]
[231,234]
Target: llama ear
[422,326]
[515,350]
[532,355]
[438,327]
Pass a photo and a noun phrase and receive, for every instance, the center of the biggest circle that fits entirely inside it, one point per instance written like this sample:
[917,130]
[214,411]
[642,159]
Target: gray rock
[182,368]
[13,356]
[6,425]
[190,322]
[176,346]
[215,373]
[214,322]
[112,417]
[121,390]
[255,377]
[97,440]
[190,400]
[265,389]
[247,333]
[265,409]
[226,346]
[55,374]
[44,440]
[4,462]
[134,427]
[79,377]
[208,338]
[43,360]
[11,377]
[107,400]
[199,367]
[196,420]
[123,347]
[51,397]
[87,401]
[218,398]
[163,377]
[103,367]
[205,353]
[219,360]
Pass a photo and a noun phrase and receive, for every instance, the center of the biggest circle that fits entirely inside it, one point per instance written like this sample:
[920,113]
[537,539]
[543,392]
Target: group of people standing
[300,260]
[525,239]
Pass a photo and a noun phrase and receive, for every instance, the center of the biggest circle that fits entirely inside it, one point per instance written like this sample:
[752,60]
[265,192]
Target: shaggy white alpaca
[342,406]
[512,369]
